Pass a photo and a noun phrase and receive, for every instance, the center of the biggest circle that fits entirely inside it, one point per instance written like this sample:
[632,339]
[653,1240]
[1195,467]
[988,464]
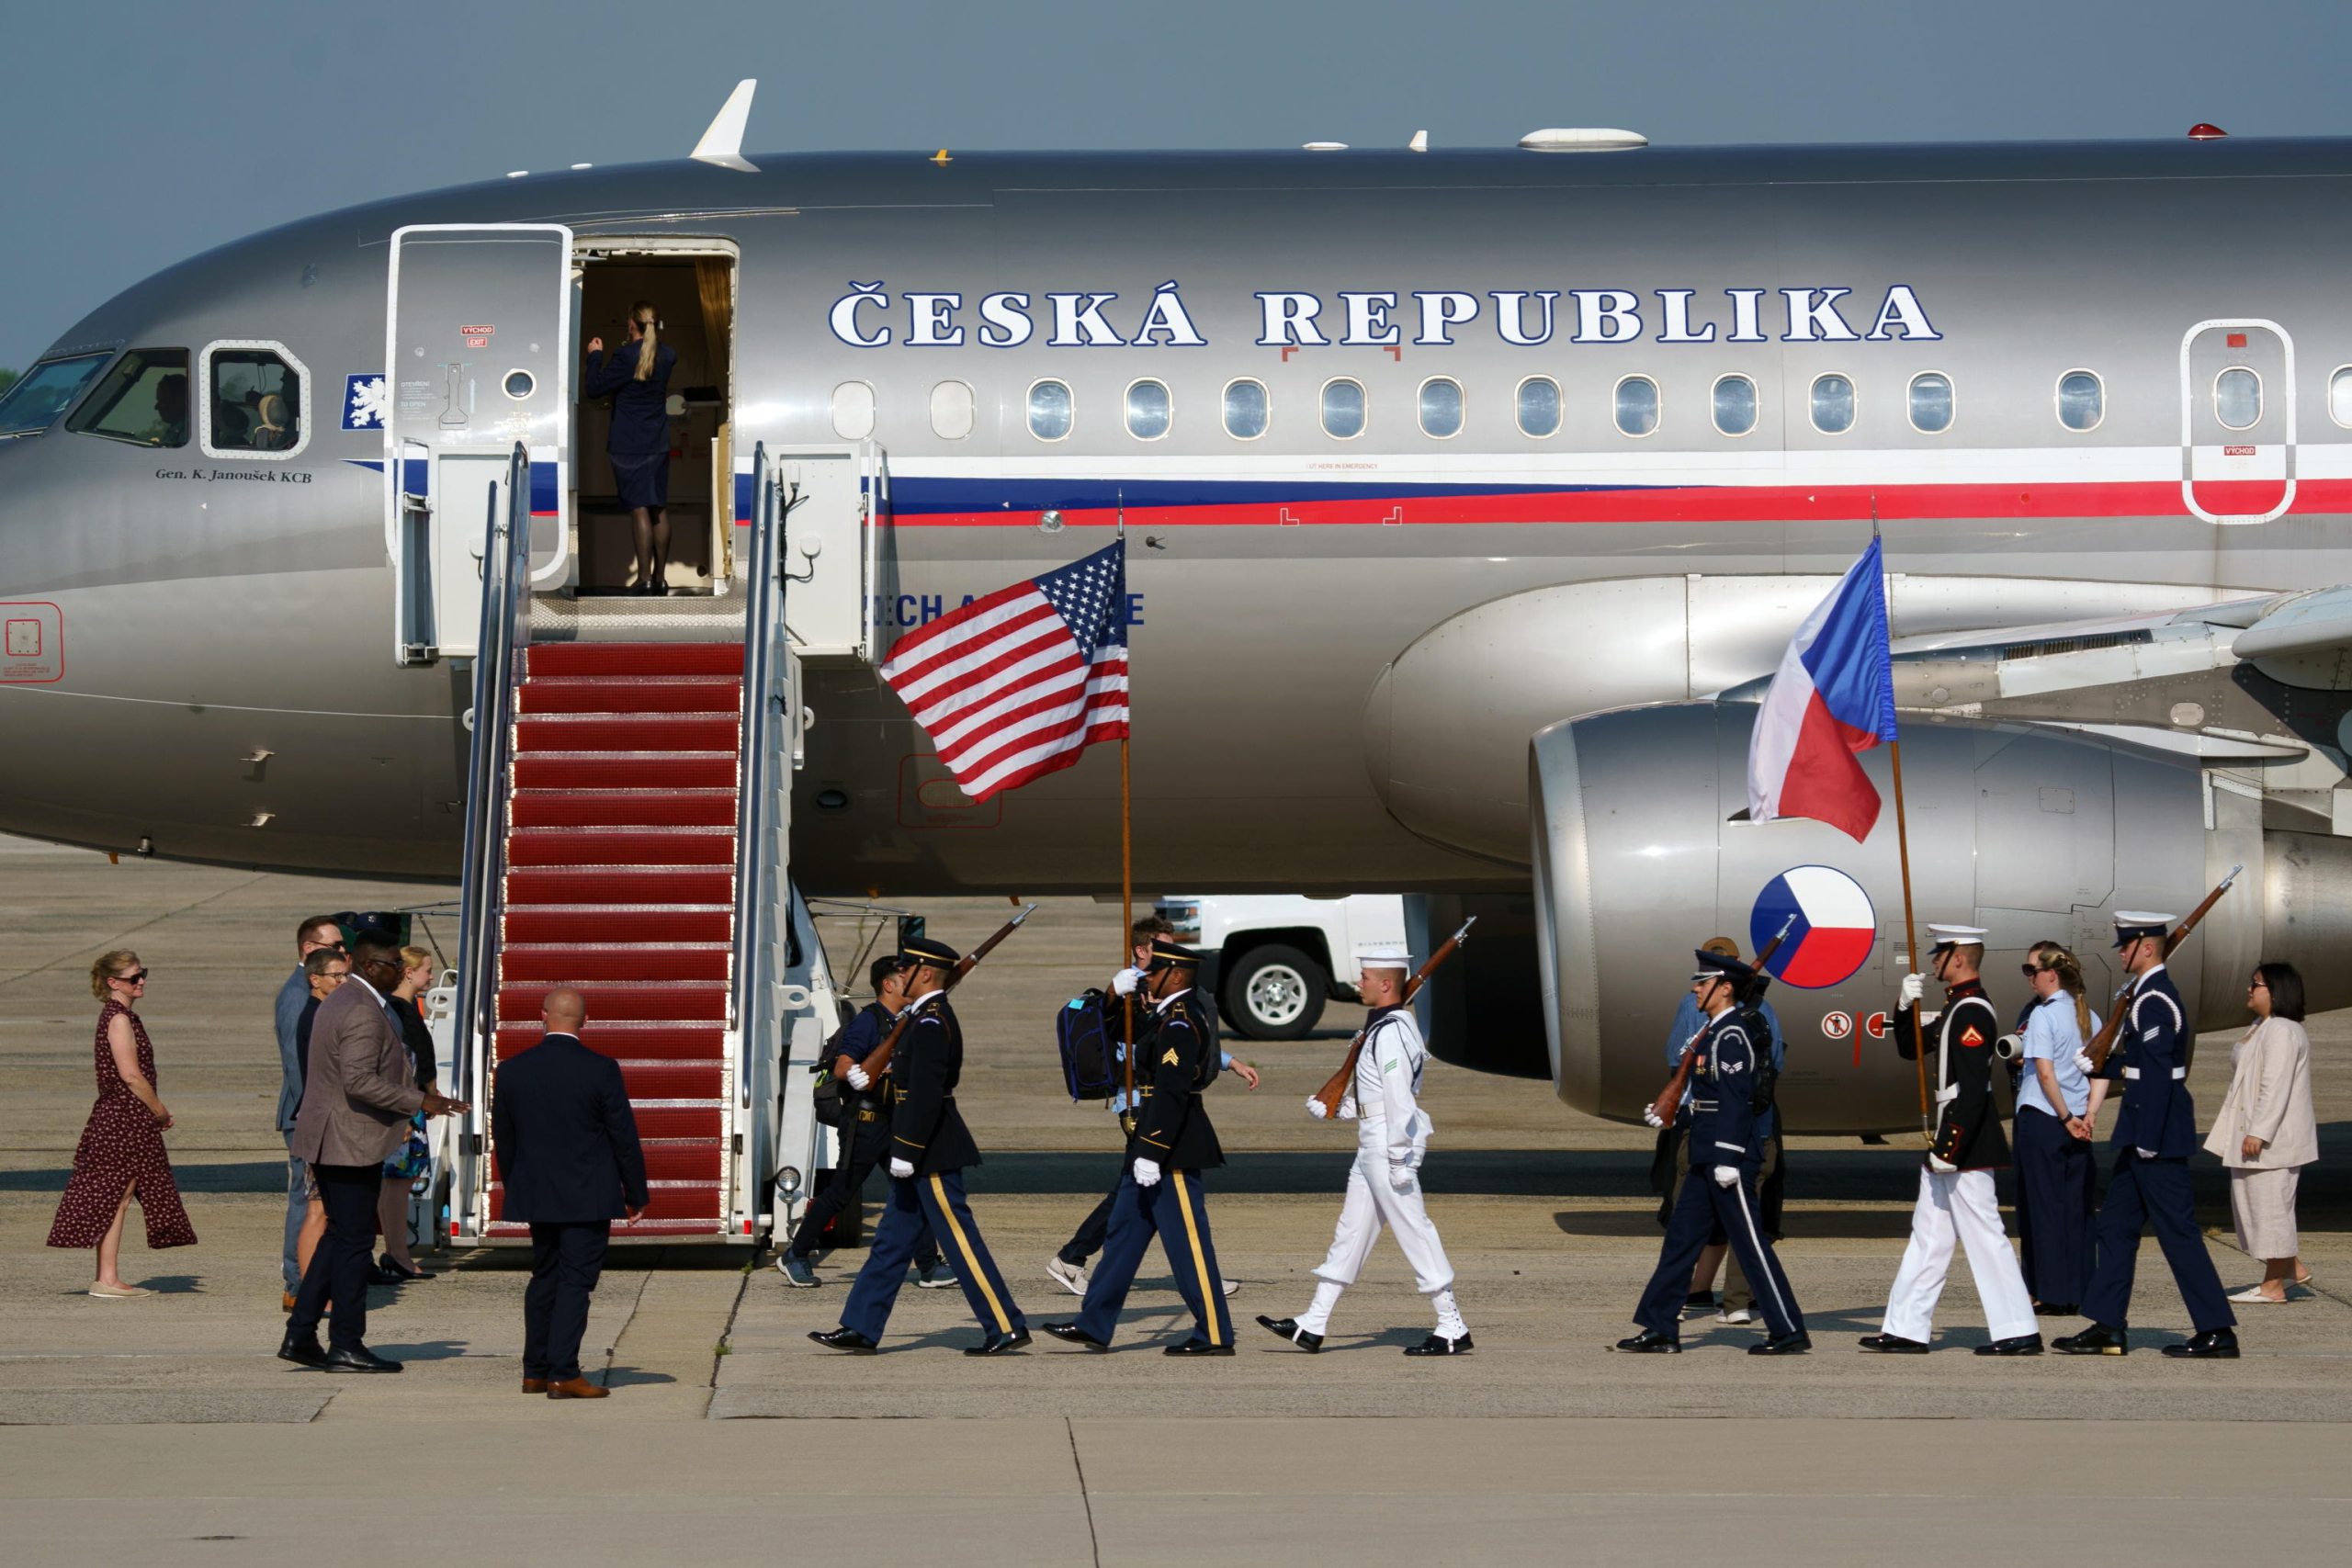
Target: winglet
[723,144]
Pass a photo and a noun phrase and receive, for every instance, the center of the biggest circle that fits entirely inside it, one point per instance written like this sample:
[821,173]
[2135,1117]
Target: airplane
[1471,494]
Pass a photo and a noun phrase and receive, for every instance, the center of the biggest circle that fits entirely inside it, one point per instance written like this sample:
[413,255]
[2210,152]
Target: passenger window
[954,411]
[1343,409]
[1931,404]
[1735,405]
[1151,410]
[1833,405]
[1441,408]
[144,400]
[1049,410]
[45,391]
[2339,396]
[1539,406]
[1636,405]
[2237,398]
[255,402]
[1245,410]
[853,410]
[2082,400]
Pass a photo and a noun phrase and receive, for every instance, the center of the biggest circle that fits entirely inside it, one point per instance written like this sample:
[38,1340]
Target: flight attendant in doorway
[636,378]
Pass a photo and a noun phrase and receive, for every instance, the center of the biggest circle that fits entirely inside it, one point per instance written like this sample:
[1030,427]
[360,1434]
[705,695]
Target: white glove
[1726,1176]
[1126,981]
[858,1077]
[1943,1165]
[1146,1173]
[1914,988]
[1348,1108]
[2145,1154]
[1315,1108]
[1650,1114]
[1400,1175]
[904,1170]
[2083,1060]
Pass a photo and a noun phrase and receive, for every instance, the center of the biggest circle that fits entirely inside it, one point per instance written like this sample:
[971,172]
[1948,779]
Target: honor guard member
[1956,1197]
[1385,1183]
[1725,1155]
[865,1132]
[2155,1135]
[1161,1194]
[930,1150]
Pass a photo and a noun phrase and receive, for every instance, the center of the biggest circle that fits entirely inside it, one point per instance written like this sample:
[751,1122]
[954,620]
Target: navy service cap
[2130,925]
[929,951]
[1713,965]
[1383,955]
[1956,936]
[1167,953]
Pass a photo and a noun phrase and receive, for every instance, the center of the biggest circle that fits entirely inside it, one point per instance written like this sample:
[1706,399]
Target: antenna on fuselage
[723,144]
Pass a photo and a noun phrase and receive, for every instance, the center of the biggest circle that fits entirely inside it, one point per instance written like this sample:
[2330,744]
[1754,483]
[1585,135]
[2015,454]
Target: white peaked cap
[1957,936]
[2143,918]
[1383,955]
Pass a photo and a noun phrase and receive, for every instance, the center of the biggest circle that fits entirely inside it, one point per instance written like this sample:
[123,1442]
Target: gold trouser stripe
[974,1272]
[1210,1299]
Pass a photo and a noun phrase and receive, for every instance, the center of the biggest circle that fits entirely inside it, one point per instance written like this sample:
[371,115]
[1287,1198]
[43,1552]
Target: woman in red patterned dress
[121,1152]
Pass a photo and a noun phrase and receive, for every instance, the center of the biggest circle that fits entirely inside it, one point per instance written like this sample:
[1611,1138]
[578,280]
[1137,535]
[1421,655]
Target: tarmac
[163,1430]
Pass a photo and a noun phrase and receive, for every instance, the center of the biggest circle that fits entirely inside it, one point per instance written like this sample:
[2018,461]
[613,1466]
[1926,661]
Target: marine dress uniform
[1725,1154]
[930,1150]
[1956,1196]
[1159,1193]
[2155,1135]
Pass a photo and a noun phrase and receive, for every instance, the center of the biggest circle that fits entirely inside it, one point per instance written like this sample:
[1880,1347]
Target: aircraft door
[2237,420]
[831,553]
[479,358]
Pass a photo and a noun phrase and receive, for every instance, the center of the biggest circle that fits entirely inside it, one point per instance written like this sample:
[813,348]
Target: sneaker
[1736,1315]
[935,1276]
[1231,1285]
[797,1273]
[1070,1277]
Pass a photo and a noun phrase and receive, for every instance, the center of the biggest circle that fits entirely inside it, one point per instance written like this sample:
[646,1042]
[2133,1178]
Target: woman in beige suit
[2266,1132]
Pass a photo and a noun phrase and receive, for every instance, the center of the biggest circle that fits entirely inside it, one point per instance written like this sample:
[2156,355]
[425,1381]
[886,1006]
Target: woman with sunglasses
[2267,1133]
[2056,1106]
[122,1153]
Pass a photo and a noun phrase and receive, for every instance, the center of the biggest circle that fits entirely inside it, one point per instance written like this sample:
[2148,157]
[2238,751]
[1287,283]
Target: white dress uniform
[1384,1185]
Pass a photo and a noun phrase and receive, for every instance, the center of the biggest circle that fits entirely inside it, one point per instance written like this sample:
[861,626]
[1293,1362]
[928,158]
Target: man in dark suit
[567,1149]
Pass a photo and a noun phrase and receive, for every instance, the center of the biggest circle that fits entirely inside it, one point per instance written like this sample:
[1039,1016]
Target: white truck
[1271,960]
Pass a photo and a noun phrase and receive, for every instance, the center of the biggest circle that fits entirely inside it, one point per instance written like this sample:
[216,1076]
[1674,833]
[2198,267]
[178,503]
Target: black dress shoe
[1795,1344]
[2098,1339]
[2057,1309]
[1438,1345]
[1892,1344]
[1071,1334]
[305,1351]
[1651,1342]
[848,1339]
[2214,1345]
[359,1358]
[999,1344]
[2016,1345]
[1288,1328]
[1197,1348]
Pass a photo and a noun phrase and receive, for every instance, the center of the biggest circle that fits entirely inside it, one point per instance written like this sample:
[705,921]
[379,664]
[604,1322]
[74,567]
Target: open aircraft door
[478,358]
[831,498]
[2237,420]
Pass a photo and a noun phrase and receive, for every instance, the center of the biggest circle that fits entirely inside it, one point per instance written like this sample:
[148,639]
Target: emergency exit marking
[32,644]
[2237,451]
[1876,1026]
[2237,340]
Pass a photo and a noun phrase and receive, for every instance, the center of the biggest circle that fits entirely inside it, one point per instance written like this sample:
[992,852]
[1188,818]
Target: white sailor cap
[1384,956]
[1956,936]
[2130,925]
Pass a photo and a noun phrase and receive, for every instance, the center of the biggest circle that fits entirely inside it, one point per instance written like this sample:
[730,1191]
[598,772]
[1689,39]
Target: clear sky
[147,131]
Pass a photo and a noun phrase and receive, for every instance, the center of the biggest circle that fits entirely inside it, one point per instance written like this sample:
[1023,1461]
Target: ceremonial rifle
[878,1063]
[2103,1041]
[1669,1098]
[1333,1092]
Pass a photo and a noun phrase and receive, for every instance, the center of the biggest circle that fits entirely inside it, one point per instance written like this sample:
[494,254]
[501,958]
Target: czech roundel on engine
[1835,925]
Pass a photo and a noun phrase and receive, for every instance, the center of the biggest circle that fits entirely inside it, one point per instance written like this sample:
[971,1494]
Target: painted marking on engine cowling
[1835,927]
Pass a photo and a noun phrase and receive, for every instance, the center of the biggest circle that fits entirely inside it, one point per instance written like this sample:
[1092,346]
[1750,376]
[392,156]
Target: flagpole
[1126,828]
[1903,854]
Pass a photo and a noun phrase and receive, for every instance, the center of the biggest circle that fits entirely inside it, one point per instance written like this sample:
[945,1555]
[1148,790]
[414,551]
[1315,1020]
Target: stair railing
[764,770]
[504,633]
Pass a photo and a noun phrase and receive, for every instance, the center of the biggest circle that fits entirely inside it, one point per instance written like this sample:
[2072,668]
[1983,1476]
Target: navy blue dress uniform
[1722,1136]
[928,1136]
[639,443]
[2155,1135]
[865,1144]
[1159,1193]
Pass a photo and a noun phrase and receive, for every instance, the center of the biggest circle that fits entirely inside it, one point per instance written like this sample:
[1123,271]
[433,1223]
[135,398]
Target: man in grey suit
[356,1106]
[318,931]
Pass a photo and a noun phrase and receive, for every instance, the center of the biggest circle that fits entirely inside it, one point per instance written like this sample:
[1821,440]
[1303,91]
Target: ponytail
[648,346]
[2069,970]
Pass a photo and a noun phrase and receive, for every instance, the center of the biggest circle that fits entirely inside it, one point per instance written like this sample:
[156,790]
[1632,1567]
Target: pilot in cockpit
[170,426]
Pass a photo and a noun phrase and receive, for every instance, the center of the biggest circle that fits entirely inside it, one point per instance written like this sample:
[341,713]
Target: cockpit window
[144,399]
[254,403]
[45,391]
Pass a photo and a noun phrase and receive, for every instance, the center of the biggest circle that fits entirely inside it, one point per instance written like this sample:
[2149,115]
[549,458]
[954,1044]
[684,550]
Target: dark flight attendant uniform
[639,443]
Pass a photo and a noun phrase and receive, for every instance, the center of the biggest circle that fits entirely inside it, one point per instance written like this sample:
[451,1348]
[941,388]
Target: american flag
[1015,685]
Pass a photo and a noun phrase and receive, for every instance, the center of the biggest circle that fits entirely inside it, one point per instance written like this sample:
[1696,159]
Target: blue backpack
[1089,1044]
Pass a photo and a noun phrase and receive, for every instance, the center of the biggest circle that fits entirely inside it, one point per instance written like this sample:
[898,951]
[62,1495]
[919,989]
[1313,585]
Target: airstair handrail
[755,901]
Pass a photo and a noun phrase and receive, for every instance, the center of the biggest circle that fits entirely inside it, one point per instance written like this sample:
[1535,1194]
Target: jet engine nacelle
[1642,852]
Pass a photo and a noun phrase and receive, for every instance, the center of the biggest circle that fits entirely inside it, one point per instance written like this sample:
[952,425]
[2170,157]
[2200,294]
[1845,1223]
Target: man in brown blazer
[360,1093]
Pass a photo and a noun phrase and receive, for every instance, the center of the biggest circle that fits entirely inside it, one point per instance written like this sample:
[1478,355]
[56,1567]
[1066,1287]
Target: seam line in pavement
[116,938]
[1085,1499]
[720,1347]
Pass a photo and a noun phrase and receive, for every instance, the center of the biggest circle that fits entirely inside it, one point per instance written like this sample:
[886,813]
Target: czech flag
[1832,695]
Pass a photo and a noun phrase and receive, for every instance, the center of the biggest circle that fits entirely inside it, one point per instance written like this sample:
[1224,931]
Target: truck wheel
[1275,993]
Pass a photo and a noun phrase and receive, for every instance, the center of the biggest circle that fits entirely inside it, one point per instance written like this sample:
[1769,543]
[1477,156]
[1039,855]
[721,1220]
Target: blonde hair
[412,956]
[107,968]
[2050,958]
[647,346]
